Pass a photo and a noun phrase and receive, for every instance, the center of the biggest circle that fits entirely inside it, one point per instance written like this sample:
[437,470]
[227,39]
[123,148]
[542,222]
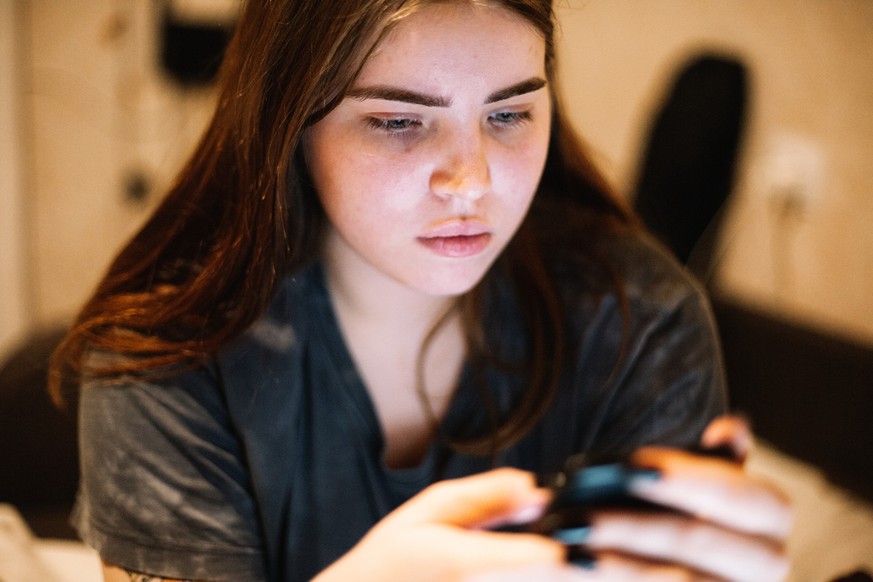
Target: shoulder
[164,479]
[167,462]
[288,318]
[628,266]
[649,272]
[264,374]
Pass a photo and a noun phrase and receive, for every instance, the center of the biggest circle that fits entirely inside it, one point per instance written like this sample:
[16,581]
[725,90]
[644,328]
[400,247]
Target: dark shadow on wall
[191,52]
[688,166]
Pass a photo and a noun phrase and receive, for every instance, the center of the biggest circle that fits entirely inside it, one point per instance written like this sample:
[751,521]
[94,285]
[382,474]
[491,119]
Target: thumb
[732,431]
[485,500]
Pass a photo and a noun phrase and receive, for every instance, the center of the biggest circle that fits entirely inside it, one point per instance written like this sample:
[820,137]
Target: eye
[393,125]
[508,119]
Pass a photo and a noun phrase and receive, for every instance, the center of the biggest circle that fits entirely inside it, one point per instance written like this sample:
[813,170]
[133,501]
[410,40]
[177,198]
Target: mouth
[458,227]
[457,246]
[457,238]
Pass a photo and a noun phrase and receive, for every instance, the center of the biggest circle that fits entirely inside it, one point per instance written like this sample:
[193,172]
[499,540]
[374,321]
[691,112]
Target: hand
[732,527]
[439,535]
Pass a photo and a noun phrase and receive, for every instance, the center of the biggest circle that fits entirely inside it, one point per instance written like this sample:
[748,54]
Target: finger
[511,568]
[434,551]
[550,573]
[733,431]
[482,552]
[697,545]
[714,490]
[615,567]
[484,500]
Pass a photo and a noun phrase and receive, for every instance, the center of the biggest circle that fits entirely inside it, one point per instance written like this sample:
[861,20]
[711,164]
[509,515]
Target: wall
[13,271]
[810,62]
[104,123]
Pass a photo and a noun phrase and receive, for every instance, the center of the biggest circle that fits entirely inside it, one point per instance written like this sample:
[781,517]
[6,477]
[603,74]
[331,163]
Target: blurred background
[741,130]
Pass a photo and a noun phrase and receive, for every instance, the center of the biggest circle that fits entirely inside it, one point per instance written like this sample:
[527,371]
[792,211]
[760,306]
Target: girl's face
[429,164]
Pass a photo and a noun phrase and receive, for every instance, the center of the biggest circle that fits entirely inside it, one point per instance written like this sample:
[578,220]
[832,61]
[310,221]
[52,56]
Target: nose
[463,171]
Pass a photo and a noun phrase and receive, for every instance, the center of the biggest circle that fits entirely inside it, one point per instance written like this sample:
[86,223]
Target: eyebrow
[389,93]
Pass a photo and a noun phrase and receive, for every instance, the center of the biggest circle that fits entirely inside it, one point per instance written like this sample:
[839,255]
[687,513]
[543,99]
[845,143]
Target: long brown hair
[242,214]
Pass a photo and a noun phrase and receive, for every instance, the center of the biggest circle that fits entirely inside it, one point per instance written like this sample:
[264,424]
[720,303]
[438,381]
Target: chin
[449,282]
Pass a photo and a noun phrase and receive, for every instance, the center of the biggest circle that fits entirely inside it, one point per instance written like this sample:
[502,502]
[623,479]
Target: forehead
[454,39]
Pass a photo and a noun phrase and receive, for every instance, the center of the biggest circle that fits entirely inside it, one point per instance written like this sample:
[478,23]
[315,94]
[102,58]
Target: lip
[457,227]
[457,238]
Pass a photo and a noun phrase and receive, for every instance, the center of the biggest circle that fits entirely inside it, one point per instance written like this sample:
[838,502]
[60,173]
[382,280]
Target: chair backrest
[39,460]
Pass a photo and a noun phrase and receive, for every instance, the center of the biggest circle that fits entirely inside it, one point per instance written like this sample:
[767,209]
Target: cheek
[359,190]
[370,190]
[522,169]
[335,173]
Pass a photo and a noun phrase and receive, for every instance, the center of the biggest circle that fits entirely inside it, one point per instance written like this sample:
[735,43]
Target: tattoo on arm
[137,577]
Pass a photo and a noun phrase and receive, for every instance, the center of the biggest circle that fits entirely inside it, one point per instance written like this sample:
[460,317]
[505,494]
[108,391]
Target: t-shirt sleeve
[164,487]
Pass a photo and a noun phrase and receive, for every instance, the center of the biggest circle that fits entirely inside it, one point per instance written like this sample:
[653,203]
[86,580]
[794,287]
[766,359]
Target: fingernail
[645,475]
[581,558]
[526,514]
[643,479]
[724,452]
[742,416]
[572,536]
[550,480]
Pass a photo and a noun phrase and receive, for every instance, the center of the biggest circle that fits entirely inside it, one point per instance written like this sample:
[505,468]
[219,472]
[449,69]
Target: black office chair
[39,460]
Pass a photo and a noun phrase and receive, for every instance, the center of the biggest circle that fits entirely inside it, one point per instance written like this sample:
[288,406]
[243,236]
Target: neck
[385,324]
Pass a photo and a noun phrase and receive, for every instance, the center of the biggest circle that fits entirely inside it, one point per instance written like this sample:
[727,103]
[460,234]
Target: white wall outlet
[792,171]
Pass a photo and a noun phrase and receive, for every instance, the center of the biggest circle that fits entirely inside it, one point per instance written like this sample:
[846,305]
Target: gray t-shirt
[267,464]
